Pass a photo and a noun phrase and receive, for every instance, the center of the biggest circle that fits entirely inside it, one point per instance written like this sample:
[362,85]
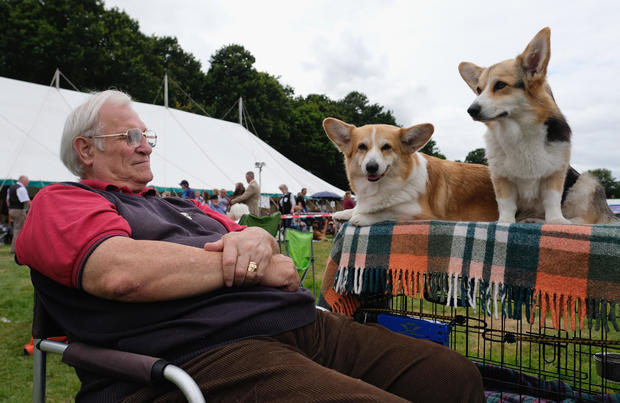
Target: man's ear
[339,133]
[85,149]
[471,74]
[415,137]
[535,57]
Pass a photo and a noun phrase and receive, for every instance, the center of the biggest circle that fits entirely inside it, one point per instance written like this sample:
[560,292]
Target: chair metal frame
[136,366]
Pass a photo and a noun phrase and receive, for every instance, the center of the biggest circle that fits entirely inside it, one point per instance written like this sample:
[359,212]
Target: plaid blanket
[571,271]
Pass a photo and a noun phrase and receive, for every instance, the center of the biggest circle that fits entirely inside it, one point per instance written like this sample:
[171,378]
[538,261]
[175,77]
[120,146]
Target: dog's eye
[478,90]
[499,85]
[386,147]
[362,147]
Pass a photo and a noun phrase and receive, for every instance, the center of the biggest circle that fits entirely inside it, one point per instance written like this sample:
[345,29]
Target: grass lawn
[15,331]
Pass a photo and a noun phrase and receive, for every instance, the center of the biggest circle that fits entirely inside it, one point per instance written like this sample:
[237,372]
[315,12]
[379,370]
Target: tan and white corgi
[528,142]
[392,181]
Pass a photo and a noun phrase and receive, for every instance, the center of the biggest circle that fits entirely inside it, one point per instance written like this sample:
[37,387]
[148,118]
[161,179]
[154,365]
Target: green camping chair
[299,248]
[270,223]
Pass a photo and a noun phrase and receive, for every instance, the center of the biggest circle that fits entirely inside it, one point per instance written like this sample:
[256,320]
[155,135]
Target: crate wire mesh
[517,359]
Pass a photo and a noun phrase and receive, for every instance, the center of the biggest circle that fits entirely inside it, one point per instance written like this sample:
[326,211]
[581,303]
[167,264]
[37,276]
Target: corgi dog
[528,142]
[393,181]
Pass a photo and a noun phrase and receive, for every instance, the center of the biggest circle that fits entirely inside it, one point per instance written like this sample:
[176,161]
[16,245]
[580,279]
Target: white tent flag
[209,153]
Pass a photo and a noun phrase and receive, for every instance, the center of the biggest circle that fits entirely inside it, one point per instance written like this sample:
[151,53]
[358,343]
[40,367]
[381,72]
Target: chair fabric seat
[270,223]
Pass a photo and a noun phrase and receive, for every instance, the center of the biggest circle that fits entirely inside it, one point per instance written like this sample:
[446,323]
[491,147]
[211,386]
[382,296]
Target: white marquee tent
[208,153]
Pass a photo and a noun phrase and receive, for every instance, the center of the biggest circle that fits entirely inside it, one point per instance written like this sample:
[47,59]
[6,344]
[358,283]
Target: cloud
[404,55]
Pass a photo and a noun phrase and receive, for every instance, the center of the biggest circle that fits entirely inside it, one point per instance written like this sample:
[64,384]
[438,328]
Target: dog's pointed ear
[339,133]
[415,137]
[535,57]
[471,74]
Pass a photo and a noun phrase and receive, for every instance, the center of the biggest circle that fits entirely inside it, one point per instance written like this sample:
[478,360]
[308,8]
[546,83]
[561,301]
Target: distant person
[301,199]
[200,197]
[323,206]
[297,222]
[237,211]
[214,204]
[251,195]
[18,201]
[348,202]
[224,200]
[188,193]
[239,189]
[287,202]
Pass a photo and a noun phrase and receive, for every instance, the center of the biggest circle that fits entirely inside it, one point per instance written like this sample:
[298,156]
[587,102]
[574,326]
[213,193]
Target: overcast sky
[404,55]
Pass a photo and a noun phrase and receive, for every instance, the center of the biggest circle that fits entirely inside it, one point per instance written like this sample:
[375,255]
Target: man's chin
[143,178]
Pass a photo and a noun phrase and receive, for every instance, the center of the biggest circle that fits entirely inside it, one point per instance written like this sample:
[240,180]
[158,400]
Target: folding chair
[126,366]
[299,248]
[270,223]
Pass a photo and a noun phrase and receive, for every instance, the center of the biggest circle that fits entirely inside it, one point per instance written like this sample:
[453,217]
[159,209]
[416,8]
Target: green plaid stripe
[604,263]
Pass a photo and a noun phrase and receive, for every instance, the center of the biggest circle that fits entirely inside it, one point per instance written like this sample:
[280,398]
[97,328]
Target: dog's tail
[599,206]
[596,208]
[599,203]
[609,218]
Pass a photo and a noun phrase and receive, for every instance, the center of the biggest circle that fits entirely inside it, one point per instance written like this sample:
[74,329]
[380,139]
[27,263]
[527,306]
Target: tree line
[99,48]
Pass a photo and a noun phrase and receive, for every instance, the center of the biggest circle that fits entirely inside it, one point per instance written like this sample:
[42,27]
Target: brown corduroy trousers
[334,359]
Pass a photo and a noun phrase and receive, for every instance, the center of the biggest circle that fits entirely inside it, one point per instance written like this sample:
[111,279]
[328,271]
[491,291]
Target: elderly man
[214,204]
[18,201]
[251,194]
[117,266]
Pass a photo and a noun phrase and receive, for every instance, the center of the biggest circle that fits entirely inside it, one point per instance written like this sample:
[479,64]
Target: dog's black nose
[372,167]
[474,110]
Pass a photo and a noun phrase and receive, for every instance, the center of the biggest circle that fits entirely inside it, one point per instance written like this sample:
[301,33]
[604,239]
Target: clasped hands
[254,245]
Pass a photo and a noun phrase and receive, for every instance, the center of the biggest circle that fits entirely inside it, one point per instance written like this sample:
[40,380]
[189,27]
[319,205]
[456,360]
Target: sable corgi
[393,181]
[528,142]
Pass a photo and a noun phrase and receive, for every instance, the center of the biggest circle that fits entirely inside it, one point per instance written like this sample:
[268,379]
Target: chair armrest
[138,367]
[185,383]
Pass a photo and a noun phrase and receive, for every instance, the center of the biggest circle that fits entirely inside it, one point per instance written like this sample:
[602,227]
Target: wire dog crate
[518,360]
[533,305]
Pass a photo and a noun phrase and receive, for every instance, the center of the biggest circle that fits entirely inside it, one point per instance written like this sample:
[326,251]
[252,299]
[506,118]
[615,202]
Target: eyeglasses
[134,137]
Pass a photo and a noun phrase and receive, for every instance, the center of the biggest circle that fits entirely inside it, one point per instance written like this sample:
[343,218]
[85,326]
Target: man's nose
[144,147]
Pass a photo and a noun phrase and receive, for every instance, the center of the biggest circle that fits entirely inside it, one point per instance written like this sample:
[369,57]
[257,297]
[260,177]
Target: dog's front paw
[360,220]
[558,220]
[344,215]
[506,220]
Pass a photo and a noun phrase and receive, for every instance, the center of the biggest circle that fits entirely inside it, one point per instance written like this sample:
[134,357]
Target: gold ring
[252,267]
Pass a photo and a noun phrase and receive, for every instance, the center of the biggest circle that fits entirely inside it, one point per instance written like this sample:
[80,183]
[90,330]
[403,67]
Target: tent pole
[166,90]
[241,111]
[56,79]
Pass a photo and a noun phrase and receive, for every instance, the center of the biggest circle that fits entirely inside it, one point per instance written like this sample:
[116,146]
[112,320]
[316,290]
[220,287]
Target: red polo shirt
[66,223]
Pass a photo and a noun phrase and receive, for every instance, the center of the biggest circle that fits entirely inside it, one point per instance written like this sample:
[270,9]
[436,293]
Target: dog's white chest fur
[520,151]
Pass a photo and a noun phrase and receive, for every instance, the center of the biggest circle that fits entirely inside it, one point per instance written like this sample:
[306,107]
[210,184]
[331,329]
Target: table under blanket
[571,271]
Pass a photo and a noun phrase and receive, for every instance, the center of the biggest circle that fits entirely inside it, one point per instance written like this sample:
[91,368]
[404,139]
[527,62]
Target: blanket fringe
[570,312]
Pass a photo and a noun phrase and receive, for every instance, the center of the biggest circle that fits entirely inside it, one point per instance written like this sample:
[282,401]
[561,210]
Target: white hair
[237,210]
[84,121]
